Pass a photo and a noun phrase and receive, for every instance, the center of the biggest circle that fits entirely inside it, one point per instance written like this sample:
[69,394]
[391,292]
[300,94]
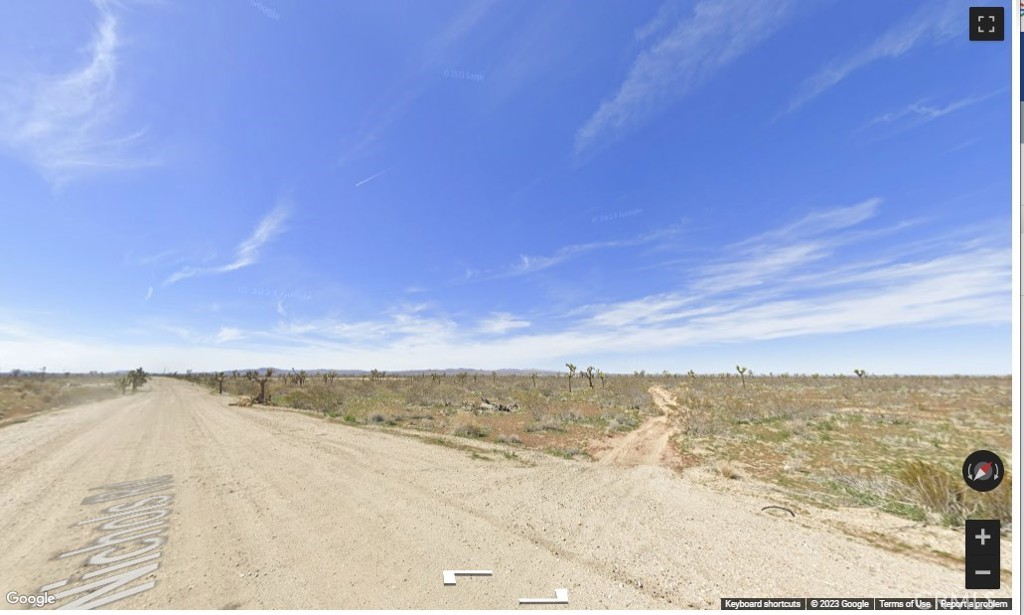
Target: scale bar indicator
[448,576]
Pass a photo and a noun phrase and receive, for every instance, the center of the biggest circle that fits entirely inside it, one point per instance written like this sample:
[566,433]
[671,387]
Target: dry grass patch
[24,396]
[544,416]
[894,444]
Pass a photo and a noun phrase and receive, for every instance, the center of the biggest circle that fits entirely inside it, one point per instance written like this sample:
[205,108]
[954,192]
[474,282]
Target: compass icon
[983,470]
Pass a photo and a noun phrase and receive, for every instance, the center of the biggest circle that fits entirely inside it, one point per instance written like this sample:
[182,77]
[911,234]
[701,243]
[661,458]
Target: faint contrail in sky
[372,177]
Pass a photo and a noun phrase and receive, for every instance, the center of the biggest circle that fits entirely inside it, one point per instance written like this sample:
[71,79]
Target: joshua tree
[494,376]
[589,373]
[234,374]
[263,384]
[301,377]
[860,373]
[533,376]
[137,378]
[219,379]
[572,372]
[602,376]
[692,374]
[742,371]
[330,376]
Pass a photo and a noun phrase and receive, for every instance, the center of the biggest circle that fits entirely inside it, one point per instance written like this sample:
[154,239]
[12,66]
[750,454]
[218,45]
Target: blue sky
[792,186]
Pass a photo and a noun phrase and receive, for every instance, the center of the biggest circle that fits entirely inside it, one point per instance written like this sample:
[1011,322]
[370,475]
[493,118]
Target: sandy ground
[275,509]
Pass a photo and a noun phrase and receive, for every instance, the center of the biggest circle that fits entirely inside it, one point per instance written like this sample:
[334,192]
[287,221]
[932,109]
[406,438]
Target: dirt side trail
[269,509]
[647,445]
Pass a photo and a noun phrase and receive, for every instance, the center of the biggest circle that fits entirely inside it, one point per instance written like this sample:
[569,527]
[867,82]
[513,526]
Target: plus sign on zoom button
[981,548]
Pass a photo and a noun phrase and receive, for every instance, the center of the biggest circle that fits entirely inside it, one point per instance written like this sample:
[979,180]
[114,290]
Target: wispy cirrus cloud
[700,45]
[921,112]
[667,13]
[756,261]
[955,279]
[499,323]
[229,334]
[66,125]
[247,253]
[784,283]
[528,264]
[933,23]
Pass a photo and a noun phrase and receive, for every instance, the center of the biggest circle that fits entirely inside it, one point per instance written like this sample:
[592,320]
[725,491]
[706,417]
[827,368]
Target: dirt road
[273,509]
[649,444]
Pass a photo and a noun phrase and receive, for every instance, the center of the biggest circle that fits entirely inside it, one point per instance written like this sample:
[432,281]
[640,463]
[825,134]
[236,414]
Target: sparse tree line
[136,378]
[743,373]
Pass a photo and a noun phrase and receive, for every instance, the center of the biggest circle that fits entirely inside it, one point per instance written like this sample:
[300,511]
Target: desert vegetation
[892,443]
[133,380]
[887,442]
[23,394]
[529,409]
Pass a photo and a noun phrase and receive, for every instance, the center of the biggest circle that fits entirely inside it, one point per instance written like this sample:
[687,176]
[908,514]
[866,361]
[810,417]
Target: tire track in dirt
[649,444]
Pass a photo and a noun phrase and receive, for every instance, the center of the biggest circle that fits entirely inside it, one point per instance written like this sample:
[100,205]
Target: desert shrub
[470,430]
[546,423]
[997,504]
[934,488]
[570,452]
[621,422]
[727,470]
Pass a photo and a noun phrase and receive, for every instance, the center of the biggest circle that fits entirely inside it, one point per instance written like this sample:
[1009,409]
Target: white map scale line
[448,576]
[561,597]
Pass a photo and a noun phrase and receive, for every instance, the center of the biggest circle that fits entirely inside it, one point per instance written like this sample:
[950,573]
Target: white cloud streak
[64,125]
[248,251]
[528,264]
[667,12]
[798,295]
[921,112]
[933,23]
[229,334]
[500,323]
[705,42]
[371,178]
[806,288]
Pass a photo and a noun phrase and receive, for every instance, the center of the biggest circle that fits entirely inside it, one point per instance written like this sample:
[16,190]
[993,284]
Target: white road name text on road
[136,530]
